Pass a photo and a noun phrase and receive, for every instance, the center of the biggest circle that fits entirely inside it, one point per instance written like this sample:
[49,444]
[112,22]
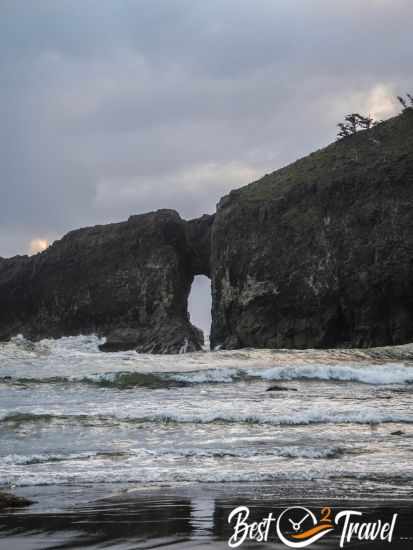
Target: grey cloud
[111,108]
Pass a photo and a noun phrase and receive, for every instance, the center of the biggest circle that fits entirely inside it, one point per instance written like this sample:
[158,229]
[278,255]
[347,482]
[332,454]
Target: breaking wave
[311,416]
[153,476]
[23,460]
[385,374]
[388,373]
[293,451]
[281,452]
[70,414]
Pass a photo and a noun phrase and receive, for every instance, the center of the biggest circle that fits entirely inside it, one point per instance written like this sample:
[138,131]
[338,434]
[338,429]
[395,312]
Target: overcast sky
[115,107]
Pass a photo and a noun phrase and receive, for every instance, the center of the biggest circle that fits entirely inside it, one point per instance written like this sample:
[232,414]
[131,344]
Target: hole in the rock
[199,305]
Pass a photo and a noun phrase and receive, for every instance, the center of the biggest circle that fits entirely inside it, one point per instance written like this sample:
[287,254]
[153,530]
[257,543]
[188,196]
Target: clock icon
[297,527]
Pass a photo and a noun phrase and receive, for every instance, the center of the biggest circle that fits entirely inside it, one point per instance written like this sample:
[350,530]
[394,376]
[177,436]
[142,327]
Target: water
[77,424]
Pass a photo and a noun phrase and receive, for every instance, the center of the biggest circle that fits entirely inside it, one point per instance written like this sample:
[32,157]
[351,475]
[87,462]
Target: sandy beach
[183,516]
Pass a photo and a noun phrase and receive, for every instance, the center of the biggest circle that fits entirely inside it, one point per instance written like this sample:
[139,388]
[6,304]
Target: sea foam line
[288,451]
[311,416]
[116,474]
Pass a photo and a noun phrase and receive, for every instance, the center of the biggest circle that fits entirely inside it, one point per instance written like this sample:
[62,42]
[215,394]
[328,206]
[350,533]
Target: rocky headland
[318,254]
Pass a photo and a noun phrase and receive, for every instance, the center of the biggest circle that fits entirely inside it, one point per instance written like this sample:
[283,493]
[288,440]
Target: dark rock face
[320,253]
[127,281]
[199,242]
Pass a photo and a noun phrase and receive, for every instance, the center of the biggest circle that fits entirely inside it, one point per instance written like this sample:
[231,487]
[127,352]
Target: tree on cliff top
[353,123]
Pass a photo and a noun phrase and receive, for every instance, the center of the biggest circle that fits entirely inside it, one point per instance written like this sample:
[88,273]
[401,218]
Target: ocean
[174,439]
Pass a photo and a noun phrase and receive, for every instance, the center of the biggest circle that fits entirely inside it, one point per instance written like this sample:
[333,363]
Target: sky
[115,107]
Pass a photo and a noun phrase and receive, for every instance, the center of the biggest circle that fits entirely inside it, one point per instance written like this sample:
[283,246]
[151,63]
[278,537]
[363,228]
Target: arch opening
[199,306]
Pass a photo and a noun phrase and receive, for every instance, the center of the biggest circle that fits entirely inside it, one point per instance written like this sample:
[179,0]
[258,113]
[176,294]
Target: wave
[23,460]
[293,451]
[115,475]
[16,419]
[81,343]
[311,416]
[88,345]
[77,360]
[386,374]
[176,453]
[117,380]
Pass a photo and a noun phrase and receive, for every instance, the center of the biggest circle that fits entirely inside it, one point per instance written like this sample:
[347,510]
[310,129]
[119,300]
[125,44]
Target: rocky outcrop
[126,281]
[7,500]
[320,253]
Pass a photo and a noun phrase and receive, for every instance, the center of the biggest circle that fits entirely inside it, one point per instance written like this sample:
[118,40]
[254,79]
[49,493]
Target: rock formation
[126,281]
[318,254]
[7,500]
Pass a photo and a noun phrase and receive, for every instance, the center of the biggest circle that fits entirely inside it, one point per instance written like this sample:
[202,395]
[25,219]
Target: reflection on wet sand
[164,519]
[134,522]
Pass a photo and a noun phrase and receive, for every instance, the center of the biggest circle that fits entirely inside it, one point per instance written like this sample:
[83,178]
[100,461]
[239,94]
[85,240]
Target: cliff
[318,254]
[126,281]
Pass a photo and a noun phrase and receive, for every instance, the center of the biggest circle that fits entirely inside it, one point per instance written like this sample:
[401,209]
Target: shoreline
[187,514]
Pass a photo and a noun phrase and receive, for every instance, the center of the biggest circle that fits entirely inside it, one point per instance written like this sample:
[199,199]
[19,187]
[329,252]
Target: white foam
[118,473]
[312,416]
[383,374]
[79,356]
[388,373]
[15,459]
[288,451]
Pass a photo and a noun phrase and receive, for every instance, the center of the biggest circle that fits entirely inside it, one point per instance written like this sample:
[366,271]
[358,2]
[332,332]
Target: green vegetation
[366,155]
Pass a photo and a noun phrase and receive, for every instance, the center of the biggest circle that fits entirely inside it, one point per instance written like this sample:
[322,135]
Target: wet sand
[183,516]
